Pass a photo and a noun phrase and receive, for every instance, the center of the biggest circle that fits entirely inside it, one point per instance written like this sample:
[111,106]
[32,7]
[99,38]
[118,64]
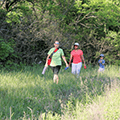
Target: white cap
[56,42]
[76,44]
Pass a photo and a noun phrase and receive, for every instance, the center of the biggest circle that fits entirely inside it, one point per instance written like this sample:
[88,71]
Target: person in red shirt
[77,56]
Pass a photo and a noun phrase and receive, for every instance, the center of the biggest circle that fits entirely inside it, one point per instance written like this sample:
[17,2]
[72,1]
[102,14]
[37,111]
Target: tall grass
[26,94]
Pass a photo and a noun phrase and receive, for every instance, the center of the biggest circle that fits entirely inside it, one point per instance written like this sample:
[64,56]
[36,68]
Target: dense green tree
[35,25]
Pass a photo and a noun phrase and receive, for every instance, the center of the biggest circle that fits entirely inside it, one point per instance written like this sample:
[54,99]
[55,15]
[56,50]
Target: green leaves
[93,23]
[78,4]
[5,49]
[17,11]
[13,17]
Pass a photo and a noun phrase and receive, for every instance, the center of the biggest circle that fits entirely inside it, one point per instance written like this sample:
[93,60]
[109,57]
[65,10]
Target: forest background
[28,29]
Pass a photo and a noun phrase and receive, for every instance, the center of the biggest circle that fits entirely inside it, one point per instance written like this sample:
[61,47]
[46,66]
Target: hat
[57,42]
[101,55]
[76,44]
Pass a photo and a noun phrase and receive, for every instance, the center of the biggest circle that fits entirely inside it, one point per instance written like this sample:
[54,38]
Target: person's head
[76,45]
[101,56]
[56,44]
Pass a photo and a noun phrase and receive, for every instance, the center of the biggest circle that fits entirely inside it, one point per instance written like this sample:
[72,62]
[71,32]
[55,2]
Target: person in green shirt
[56,60]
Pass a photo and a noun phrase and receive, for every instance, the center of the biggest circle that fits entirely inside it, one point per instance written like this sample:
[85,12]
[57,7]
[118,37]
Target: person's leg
[73,68]
[54,77]
[79,66]
[56,71]
[100,69]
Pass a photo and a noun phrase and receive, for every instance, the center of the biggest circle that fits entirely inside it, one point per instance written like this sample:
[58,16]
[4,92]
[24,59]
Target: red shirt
[76,55]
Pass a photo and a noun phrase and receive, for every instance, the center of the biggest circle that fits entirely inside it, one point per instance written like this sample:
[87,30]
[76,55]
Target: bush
[5,49]
[7,55]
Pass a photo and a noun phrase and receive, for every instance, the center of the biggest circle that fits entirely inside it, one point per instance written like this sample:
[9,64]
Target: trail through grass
[26,94]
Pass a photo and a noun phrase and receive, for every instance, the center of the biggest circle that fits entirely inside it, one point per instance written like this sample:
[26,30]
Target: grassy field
[27,95]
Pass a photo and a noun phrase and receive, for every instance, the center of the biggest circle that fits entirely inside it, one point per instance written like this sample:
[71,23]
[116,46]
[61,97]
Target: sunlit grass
[27,94]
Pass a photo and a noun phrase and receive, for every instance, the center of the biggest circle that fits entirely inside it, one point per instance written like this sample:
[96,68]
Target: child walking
[101,62]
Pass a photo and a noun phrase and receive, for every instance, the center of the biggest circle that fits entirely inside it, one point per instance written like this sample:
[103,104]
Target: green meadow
[27,95]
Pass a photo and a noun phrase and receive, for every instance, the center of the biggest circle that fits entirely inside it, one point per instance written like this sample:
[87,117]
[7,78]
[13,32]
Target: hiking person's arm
[100,61]
[70,60]
[47,60]
[103,62]
[83,59]
[63,57]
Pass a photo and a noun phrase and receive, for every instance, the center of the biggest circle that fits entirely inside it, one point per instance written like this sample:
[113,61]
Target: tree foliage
[35,25]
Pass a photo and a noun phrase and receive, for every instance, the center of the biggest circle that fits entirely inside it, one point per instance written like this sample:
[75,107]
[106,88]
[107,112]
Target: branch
[83,17]
[8,4]
[91,17]
[84,25]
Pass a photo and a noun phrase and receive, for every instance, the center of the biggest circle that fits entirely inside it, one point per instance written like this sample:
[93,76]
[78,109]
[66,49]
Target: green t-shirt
[56,58]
